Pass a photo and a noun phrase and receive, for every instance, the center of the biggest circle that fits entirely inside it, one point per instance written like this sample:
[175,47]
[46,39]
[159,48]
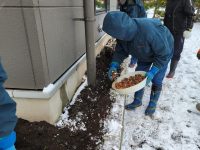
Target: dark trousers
[157,80]
[178,46]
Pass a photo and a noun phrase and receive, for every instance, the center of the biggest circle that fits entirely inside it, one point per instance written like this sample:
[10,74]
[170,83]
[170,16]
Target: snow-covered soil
[64,118]
[176,123]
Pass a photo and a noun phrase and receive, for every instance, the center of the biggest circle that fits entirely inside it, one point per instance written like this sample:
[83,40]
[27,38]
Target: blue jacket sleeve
[3,75]
[162,48]
[142,13]
[120,53]
[8,118]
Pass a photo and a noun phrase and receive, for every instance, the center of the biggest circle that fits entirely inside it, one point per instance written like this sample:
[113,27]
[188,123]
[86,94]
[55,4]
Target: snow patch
[176,122]
[75,124]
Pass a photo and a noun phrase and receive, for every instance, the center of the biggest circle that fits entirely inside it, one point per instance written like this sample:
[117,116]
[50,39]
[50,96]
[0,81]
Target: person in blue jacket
[148,41]
[135,9]
[8,118]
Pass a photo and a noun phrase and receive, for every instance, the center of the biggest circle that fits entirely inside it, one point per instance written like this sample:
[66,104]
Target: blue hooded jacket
[135,10]
[144,38]
[8,118]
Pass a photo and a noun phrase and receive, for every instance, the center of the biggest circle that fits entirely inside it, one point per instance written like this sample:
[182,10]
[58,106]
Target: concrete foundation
[34,106]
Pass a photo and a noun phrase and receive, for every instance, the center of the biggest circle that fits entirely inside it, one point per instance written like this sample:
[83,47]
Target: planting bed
[94,103]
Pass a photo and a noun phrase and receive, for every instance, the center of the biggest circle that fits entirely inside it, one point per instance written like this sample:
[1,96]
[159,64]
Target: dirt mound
[95,105]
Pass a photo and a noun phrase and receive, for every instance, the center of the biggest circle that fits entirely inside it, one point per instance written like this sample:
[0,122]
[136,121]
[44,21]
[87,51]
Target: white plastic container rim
[132,89]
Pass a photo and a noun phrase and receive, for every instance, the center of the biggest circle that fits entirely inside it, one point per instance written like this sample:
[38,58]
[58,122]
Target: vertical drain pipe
[90,41]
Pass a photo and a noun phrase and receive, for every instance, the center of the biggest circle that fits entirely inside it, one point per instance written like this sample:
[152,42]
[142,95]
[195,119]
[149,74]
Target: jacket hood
[119,25]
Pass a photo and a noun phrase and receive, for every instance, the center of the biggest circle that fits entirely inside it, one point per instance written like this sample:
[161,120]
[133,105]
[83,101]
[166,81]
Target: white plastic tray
[131,89]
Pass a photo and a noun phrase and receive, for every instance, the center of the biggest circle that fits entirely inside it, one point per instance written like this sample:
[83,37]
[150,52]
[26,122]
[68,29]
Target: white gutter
[48,91]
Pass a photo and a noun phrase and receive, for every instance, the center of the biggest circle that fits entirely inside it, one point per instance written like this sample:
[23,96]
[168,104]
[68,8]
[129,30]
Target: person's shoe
[173,67]
[137,100]
[198,107]
[170,74]
[198,54]
[136,103]
[151,108]
[155,94]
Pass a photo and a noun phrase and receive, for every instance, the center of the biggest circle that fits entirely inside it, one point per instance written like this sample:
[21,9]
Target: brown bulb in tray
[130,81]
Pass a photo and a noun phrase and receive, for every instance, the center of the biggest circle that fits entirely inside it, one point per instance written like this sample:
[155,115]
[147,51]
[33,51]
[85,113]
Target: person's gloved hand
[187,33]
[151,73]
[113,68]
[133,62]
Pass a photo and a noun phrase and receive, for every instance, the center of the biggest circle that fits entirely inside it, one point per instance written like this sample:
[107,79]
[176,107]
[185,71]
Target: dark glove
[151,73]
[113,69]
[133,62]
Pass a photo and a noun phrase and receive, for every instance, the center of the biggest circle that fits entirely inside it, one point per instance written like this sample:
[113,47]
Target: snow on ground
[150,13]
[113,124]
[176,125]
[64,118]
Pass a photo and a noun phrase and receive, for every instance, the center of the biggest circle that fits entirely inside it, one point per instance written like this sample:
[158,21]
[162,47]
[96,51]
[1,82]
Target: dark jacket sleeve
[120,53]
[142,13]
[189,12]
[162,50]
[8,118]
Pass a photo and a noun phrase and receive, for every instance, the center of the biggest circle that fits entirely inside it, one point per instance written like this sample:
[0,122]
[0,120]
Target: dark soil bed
[43,136]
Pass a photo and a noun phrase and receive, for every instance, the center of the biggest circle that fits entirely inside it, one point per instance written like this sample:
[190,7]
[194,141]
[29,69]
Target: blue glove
[8,142]
[151,73]
[133,62]
[113,68]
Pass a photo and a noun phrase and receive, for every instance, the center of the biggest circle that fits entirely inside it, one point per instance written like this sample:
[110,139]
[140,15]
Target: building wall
[39,44]
[49,109]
